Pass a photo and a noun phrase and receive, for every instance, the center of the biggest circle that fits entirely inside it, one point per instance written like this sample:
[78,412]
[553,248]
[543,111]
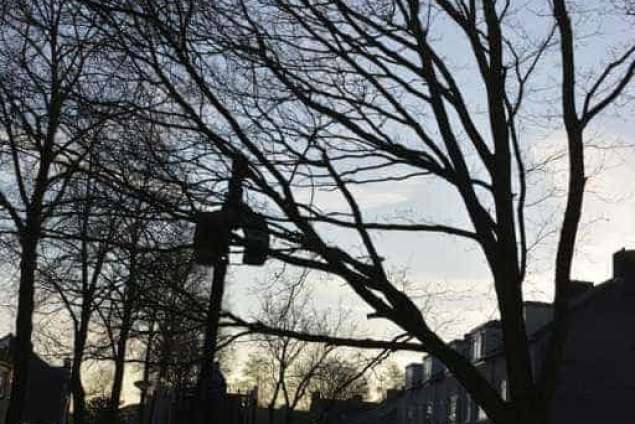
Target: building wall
[597,376]
[47,388]
[5,379]
[442,400]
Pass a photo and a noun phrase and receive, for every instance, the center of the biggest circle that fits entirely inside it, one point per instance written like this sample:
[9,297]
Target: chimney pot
[624,264]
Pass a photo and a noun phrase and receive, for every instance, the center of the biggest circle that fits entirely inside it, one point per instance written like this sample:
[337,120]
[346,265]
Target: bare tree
[341,378]
[47,128]
[128,276]
[284,368]
[176,305]
[102,249]
[389,377]
[73,274]
[336,95]
[172,320]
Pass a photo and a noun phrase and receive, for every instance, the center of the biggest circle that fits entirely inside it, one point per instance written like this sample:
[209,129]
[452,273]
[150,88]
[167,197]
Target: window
[429,411]
[468,409]
[410,377]
[504,390]
[477,346]
[427,367]
[3,383]
[453,407]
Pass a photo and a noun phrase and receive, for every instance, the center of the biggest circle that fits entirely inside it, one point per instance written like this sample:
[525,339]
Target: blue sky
[454,269]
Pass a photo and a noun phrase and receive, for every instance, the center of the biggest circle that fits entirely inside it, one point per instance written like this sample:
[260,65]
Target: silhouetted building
[595,382]
[338,411]
[47,388]
[169,405]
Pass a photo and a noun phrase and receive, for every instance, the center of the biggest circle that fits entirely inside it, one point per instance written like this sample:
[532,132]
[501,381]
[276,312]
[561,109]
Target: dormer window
[477,346]
[3,383]
[504,390]
[427,367]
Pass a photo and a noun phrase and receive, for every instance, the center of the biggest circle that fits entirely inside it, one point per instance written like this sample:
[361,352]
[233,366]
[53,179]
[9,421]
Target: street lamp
[212,240]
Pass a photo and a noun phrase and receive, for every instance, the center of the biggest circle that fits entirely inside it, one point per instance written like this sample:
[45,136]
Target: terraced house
[432,395]
[596,383]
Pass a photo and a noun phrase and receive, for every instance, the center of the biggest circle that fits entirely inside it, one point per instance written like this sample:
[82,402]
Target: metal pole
[206,413]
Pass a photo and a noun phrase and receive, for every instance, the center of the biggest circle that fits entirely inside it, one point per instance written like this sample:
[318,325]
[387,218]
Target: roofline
[578,302]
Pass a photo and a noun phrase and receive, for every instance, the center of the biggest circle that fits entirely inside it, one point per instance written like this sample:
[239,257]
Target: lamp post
[212,242]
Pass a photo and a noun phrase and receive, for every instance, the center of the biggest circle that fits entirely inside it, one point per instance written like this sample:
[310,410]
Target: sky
[454,271]
[450,275]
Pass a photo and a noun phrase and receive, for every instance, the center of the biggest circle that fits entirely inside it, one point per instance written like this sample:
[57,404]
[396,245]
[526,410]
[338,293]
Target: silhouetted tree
[73,267]
[47,128]
[390,377]
[284,368]
[341,94]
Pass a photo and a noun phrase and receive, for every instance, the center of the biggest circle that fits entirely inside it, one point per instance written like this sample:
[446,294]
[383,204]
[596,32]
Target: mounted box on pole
[212,240]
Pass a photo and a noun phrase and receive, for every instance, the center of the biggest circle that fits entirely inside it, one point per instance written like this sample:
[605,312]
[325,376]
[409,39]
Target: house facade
[595,380]
[47,395]
[5,377]
[433,395]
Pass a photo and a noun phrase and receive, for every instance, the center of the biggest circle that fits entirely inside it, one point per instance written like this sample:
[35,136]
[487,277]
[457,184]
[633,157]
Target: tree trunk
[146,375]
[23,348]
[77,388]
[205,412]
[129,299]
[573,210]
[516,348]
[120,357]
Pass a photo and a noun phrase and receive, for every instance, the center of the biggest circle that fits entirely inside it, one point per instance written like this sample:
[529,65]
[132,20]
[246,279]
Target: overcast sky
[454,270]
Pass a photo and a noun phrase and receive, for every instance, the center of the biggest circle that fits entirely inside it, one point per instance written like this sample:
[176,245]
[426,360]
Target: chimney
[414,375]
[624,270]
[578,287]
[624,264]
[315,400]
